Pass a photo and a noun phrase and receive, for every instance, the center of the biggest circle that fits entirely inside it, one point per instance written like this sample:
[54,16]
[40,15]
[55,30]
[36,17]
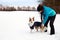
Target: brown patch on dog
[42,28]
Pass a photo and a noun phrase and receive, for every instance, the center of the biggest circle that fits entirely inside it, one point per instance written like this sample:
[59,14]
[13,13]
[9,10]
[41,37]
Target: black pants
[51,19]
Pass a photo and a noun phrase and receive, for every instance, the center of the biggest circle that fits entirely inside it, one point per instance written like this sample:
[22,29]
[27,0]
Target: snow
[14,26]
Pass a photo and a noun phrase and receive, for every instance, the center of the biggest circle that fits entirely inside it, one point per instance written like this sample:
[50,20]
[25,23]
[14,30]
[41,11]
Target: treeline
[12,8]
[55,4]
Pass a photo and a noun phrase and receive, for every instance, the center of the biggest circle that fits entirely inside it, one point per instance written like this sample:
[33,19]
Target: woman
[47,14]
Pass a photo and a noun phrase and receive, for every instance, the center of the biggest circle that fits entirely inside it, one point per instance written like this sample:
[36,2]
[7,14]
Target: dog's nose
[31,21]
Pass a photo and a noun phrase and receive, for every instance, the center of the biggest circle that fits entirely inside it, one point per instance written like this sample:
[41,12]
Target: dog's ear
[29,19]
[33,18]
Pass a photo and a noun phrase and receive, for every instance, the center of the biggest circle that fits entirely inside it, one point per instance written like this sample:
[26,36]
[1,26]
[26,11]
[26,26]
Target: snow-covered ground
[14,26]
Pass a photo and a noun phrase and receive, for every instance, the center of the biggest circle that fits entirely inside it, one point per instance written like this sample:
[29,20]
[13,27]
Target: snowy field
[14,26]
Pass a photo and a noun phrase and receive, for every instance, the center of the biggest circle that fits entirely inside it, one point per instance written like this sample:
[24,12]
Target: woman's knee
[51,25]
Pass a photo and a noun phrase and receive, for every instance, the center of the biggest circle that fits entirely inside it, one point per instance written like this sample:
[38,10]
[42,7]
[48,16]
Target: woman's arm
[41,18]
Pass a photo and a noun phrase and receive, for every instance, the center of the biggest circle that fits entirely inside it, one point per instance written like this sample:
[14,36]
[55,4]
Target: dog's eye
[33,18]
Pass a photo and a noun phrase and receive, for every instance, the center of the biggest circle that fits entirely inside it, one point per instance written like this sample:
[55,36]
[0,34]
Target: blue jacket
[47,12]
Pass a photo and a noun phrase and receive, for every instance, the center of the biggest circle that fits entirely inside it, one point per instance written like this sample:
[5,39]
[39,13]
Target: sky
[19,2]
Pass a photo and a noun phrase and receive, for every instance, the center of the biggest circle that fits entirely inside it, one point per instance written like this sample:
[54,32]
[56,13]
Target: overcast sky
[19,2]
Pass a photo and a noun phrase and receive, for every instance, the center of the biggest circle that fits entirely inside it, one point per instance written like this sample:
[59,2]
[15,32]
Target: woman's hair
[39,8]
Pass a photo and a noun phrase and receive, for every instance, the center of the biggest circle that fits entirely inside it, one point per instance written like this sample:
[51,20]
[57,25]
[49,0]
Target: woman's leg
[52,31]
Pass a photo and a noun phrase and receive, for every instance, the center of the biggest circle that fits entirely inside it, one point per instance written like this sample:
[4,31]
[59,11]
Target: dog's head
[31,19]
[31,22]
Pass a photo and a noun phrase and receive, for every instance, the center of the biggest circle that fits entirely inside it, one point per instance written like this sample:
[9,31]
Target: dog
[35,24]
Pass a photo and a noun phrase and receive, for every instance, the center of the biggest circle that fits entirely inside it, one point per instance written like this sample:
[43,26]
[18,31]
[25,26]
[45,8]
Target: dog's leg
[36,28]
[31,30]
[41,29]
